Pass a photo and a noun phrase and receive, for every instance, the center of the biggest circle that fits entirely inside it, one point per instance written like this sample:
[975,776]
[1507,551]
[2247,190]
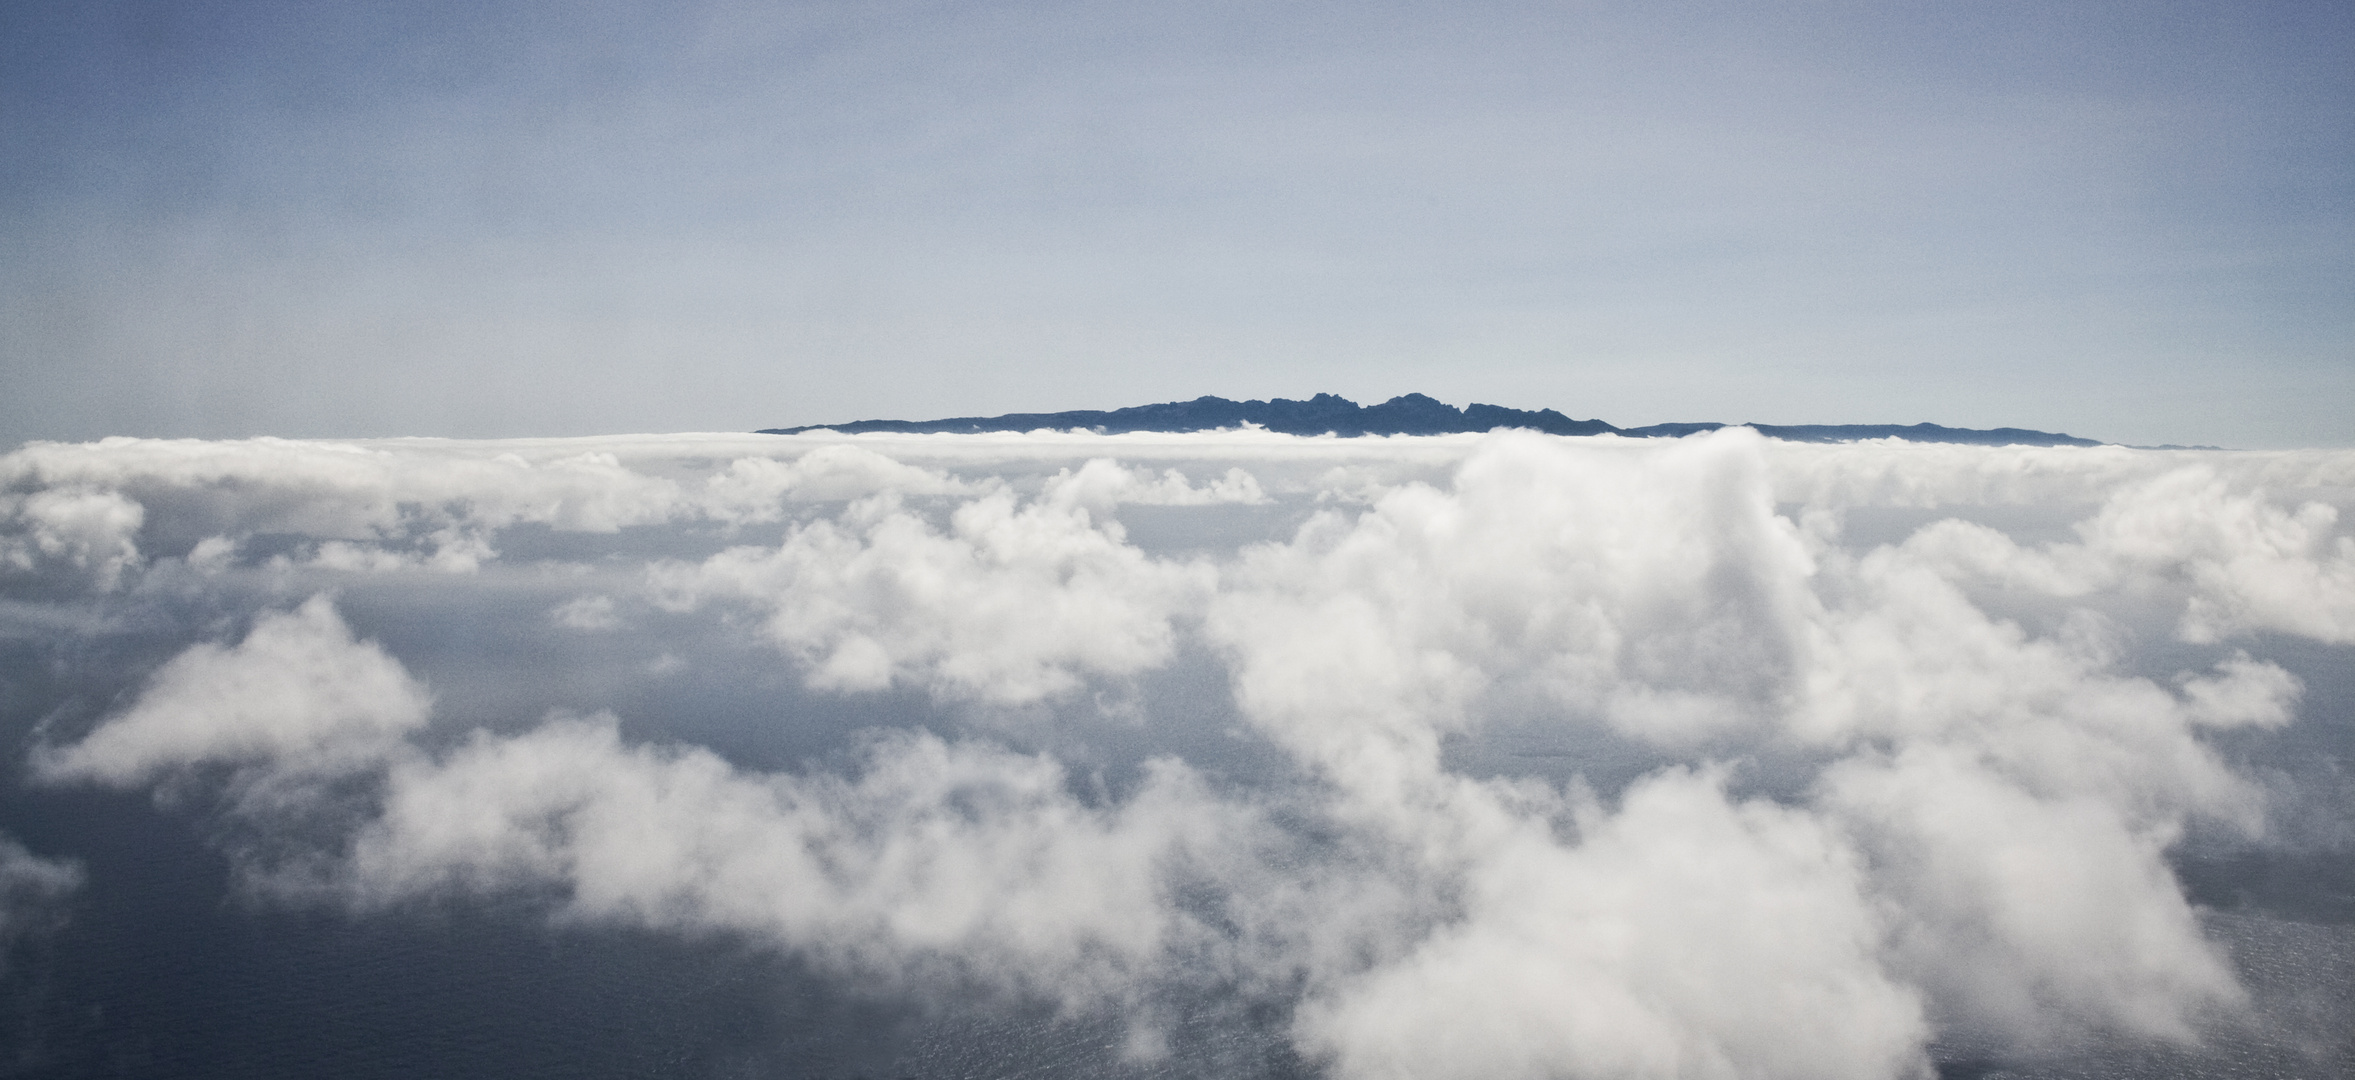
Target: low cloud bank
[1809,805]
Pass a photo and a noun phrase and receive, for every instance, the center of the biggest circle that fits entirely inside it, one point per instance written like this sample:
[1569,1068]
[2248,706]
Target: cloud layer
[1541,757]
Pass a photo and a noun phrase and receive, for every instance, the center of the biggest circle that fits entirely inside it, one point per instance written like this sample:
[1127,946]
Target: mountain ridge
[1406,414]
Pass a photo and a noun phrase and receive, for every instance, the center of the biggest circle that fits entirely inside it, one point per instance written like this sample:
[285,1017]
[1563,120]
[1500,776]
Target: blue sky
[2133,222]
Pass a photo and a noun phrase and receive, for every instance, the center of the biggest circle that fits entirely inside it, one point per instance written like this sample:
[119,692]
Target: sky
[2130,222]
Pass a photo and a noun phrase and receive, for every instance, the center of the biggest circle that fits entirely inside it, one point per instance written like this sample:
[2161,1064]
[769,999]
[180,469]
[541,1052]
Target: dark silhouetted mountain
[1407,414]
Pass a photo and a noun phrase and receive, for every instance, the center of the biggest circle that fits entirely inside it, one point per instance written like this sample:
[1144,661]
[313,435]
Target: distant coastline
[1408,414]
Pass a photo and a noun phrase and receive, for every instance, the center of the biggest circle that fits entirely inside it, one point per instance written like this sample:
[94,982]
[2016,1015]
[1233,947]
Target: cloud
[585,613]
[2026,915]
[933,855]
[2244,561]
[1910,661]
[33,892]
[1011,602]
[1683,935]
[91,531]
[1103,483]
[2252,564]
[1663,597]
[753,488]
[961,861]
[1502,755]
[299,688]
[1655,591]
[405,503]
